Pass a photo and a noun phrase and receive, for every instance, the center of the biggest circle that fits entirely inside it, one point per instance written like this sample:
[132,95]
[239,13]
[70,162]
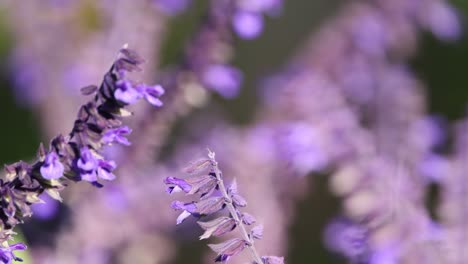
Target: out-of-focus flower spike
[204,185]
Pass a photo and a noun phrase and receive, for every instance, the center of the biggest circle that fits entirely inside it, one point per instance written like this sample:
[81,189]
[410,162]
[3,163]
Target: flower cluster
[77,156]
[207,182]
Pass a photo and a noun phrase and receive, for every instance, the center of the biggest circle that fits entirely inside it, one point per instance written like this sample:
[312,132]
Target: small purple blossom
[6,253]
[223,79]
[443,21]
[52,168]
[126,93]
[177,185]
[105,168]
[91,167]
[152,93]
[248,25]
[117,135]
[87,163]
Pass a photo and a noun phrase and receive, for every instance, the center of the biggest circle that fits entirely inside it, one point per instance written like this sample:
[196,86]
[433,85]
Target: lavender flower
[74,157]
[247,25]
[126,93]
[117,135]
[206,177]
[7,255]
[52,169]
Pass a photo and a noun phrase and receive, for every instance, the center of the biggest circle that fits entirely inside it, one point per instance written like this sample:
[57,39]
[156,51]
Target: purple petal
[52,168]
[105,169]
[248,25]
[190,207]
[87,161]
[152,94]
[117,135]
[224,79]
[443,21]
[126,93]
[89,176]
[182,184]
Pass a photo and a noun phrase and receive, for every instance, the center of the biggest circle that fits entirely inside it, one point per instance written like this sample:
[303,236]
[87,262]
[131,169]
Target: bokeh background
[441,66]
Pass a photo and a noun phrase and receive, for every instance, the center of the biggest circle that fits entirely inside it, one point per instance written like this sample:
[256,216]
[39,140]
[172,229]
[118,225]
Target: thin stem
[232,210]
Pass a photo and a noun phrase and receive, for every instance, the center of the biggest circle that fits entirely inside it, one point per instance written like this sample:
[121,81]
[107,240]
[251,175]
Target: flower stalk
[206,178]
[232,210]
[77,156]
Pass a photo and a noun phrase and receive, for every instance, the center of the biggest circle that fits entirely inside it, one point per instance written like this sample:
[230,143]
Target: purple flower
[223,79]
[187,210]
[105,168]
[91,168]
[117,135]
[347,238]
[443,21]
[126,93]
[52,168]
[248,25]
[152,93]
[7,255]
[177,185]
[87,163]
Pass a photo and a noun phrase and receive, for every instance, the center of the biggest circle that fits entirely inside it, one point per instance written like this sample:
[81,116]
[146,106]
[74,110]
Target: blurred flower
[224,79]
[247,25]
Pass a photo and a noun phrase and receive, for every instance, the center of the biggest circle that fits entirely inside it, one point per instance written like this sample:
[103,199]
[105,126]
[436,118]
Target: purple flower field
[234,131]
